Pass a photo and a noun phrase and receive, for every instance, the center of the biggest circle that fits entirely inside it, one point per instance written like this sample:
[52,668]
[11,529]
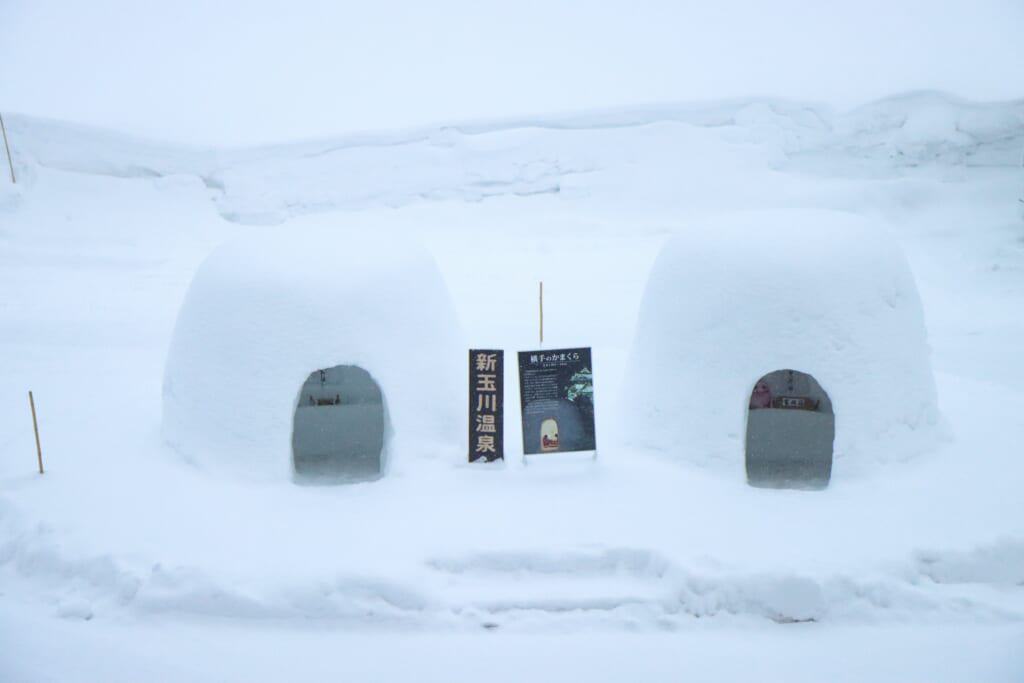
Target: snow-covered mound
[266,310]
[919,127]
[816,291]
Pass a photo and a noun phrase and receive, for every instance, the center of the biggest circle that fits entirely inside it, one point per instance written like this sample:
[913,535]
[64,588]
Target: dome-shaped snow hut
[313,353]
[769,332]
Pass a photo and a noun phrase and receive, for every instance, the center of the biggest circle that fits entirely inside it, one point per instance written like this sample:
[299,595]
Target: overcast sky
[245,72]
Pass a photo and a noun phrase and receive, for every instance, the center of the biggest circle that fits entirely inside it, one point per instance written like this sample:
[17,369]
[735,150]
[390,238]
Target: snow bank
[1000,562]
[525,155]
[927,126]
[529,590]
[266,310]
[816,291]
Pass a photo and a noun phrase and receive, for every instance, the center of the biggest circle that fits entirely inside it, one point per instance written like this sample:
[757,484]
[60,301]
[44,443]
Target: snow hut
[773,340]
[314,353]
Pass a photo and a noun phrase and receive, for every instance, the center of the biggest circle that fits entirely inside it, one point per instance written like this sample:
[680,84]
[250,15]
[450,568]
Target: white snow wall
[267,309]
[740,296]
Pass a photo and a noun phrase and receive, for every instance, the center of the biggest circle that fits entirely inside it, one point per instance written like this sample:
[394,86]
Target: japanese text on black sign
[486,398]
[556,391]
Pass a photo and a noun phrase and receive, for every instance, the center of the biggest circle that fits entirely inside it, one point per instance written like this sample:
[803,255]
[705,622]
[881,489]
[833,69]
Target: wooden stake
[35,427]
[542,312]
[8,148]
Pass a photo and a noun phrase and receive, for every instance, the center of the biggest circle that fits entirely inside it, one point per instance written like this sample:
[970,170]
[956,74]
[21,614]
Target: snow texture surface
[732,299]
[206,562]
[265,311]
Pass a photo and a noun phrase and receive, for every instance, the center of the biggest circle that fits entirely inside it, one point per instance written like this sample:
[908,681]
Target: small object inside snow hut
[790,432]
[338,433]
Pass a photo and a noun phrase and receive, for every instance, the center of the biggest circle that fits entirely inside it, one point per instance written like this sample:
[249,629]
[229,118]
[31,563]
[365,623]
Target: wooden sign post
[10,163]
[35,428]
[542,313]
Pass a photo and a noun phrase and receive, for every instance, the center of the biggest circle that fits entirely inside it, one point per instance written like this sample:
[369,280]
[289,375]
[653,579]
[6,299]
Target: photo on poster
[556,391]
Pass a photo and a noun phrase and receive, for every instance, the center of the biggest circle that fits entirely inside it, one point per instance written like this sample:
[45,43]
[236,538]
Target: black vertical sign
[556,393]
[486,409]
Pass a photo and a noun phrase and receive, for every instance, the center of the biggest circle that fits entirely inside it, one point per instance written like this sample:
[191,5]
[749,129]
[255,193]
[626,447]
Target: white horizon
[259,73]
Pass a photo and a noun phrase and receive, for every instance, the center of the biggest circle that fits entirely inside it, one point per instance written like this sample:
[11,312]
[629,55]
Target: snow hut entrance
[338,433]
[790,430]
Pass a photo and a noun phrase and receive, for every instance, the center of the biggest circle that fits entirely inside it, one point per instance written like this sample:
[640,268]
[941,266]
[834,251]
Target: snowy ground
[125,563]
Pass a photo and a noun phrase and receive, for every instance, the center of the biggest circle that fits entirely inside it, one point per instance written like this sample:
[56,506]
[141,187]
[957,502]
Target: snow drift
[821,292]
[266,310]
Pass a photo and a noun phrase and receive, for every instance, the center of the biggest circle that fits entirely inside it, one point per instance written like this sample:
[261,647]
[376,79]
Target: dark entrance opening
[338,432]
[790,431]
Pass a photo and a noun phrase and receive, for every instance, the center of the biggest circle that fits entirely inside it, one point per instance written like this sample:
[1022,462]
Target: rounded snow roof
[738,297]
[267,309]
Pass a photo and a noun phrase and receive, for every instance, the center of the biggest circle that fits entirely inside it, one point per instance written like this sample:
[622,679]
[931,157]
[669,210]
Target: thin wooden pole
[7,147]
[542,312]
[35,427]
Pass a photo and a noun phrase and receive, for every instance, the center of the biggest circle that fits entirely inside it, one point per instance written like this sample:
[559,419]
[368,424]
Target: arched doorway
[790,430]
[338,431]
